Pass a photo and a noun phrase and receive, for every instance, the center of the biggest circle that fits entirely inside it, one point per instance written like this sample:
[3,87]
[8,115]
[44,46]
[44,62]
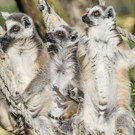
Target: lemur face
[18,26]
[63,36]
[98,14]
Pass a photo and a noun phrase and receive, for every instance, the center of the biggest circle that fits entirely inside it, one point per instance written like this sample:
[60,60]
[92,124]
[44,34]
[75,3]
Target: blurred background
[71,11]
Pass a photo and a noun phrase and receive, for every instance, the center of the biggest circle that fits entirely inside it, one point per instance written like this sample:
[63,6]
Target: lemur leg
[124,124]
[123,117]
[5,121]
[70,110]
[48,128]
[79,128]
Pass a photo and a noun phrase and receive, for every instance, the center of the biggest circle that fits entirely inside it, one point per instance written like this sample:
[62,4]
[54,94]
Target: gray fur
[106,109]
[65,65]
[28,61]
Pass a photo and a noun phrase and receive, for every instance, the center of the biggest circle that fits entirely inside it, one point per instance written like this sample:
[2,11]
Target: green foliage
[132,71]
[133,98]
[7,6]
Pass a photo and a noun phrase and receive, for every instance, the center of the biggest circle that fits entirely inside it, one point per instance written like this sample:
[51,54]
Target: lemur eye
[96,13]
[15,29]
[60,34]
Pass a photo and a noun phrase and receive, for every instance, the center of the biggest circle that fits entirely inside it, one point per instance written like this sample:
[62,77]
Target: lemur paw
[120,132]
[3,57]
[55,88]
[40,7]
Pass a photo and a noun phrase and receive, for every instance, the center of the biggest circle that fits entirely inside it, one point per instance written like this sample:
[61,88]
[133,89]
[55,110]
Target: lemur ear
[110,12]
[74,36]
[26,21]
[5,15]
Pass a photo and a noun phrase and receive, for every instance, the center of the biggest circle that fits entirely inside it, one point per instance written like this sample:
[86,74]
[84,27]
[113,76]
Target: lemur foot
[120,132]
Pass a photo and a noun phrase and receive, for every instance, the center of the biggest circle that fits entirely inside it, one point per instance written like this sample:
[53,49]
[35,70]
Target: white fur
[104,57]
[61,81]
[5,15]
[23,65]
[24,32]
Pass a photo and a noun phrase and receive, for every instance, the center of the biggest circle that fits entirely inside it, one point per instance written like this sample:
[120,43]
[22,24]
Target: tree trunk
[30,7]
[75,9]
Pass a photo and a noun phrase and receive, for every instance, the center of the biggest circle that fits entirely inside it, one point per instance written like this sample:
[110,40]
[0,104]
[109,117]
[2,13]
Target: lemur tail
[56,118]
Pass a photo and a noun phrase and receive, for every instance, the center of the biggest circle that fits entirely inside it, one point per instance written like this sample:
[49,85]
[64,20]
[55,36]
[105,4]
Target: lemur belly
[22,65]
[100,97]
[61,79]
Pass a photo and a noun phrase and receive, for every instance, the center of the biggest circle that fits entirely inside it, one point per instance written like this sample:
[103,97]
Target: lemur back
[107,97]
[65,70]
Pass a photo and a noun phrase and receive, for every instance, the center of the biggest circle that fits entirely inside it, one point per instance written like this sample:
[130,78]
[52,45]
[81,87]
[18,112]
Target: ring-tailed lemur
[107,97]
[69,103]
[28,61]
[65,69]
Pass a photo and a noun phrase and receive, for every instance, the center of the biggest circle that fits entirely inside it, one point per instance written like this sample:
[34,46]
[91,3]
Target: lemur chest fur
[22,64]
[62,74]
[103,61]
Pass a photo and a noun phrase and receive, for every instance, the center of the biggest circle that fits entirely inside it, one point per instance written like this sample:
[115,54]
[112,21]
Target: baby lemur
[65,71]
[28,60]
[107,100]
[69,103]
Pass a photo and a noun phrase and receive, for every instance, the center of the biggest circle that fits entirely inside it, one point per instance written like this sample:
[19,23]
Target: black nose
[5,41]
[47,35]
[85,19]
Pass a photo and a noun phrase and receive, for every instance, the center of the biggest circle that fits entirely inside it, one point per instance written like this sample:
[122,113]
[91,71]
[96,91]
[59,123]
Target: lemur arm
[130,58]
[41,80]
[64,99]
[128,53]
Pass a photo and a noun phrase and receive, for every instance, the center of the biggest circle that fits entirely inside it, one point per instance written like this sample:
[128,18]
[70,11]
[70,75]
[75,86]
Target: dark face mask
[5,41]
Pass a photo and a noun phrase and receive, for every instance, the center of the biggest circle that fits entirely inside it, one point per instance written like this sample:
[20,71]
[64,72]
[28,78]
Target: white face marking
[103,14]
[10,24]
[96,8]
[22,33]
[95,20]
[60,29]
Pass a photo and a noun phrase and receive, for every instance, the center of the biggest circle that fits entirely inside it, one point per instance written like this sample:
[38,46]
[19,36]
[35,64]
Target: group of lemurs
[61,95]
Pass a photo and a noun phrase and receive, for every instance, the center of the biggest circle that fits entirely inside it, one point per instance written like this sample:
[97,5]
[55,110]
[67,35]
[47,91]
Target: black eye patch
[96,13]
[15,29]
[5,27]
